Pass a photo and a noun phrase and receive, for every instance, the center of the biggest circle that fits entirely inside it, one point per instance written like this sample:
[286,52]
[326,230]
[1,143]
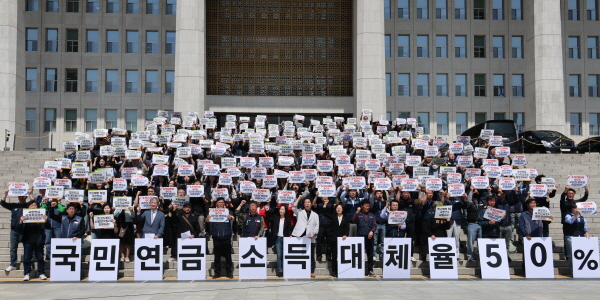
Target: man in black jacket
[16,233]
[221,236]
[187,225]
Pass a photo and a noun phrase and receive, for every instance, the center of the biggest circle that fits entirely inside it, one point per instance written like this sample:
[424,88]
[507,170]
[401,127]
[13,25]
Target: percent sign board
[585,254]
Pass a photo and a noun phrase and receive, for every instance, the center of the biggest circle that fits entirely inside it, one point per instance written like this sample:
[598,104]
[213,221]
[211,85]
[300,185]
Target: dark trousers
[29,250]
[334,255]
[222,248]
[322,242]
[369,242]
[411,233]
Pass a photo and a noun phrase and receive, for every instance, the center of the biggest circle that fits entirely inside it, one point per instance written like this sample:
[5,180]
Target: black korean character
[191,264]
[355,257]
[301,249]
[397,256]
[151,252]
[101,254]
[252,263]
[442,260]
[65,257]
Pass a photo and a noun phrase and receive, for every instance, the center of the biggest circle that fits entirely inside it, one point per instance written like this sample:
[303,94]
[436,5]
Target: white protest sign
[442,258]
[537,253]
[538,190]
[97,196]
[396,262]
[16,189]
[191,259]
[494,214]
[139,180]
[588,208]
[286,197]
[41,183]
[494,259]
[34,215]
[122,202]
[104,260]
[253,258]
[326,190]
[218,215]
[261,195]
[541,213]
[464,160]
[433,184]
[480,182]
[456,190]
[103,221]
[507,184]
[220,193]
[54,192]
[73,195]
[443,211]
[382,184]
[296,257]
[397,217]
[350,253]
[195,190]
[519,160]
[409,184]
[577,181]
[584,252]
[148,262]
[65,259]
[453,178]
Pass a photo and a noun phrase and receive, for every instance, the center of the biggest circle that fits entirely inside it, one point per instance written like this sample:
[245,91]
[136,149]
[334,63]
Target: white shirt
[340,220]
[152,214]
[280,232]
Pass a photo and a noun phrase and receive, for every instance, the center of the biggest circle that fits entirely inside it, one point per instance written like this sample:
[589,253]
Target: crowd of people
[321,179]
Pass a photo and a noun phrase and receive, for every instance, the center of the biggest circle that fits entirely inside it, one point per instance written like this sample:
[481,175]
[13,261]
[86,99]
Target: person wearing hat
[187,225]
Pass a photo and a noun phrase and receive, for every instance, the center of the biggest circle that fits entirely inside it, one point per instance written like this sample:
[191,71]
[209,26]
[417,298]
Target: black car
[505,128]
[547,141]
[589,145]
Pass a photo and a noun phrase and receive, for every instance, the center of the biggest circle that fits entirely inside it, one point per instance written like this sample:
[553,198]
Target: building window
[441,85]
[441,46]
[112,81]
[593,86]
[91,120]
[131,81]
[517,86]
[388,45]
[71,80]
[110,119]
[573,10]
[479,47]
[387,9]
[479,85]
[404,115]
[151,86]
[460,46]
[92,41]
[499,85]
[30,120]
[574,47]
[498,9]
[112,7]
[73,6]
[442,123]
[31,37]
[479,10]
[498,46]
[51,40]
[50,119]
[517,47]
[422,9]
[460,10]
[423,121]
[72,40]
[91,81]
[422,46]
[169,82]
[461,85]
[132,41]
[574,86]
[172,7]
[594,124]
[151,114]
[133,7]
[152,42]
[112,41]
[403,9]
[170,42]
[70,120]
[592,42]
[131,119]
[519,119]
[592,10]
[461,122]
[32,5]
[403,46]
[403,85]
[152,7]
[52,5]
[499,116]
[31,80]
[516,11]
[51,80]
[388,85]
[575,119]
[93,6]
[480,117]
[423,85]
[441,9]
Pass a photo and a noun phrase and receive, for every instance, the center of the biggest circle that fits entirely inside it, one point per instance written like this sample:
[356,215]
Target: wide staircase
[22,166]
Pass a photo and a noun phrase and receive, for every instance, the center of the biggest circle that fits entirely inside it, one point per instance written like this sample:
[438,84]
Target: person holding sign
[433,228]
[221,237]
[575,226]
[505,200]
[33,241]
[253,223]
[51,227]
[366,227]
[153,219]
[186,223]
[15,232]
[124,230]
[280,227]
[307,225]
[530,228]
[105,233]
[567,199]
[72,226]
[489,228]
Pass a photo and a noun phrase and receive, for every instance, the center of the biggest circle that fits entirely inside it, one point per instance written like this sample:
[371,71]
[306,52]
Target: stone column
[12,72]
[369,63]
[544,81]
[190,56]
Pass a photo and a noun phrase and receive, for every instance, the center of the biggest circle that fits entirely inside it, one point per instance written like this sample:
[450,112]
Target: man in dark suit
[154,220]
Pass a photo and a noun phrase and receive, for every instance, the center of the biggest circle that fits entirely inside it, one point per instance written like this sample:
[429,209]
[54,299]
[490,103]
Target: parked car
[591,144]
[506,128]
[547,141]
